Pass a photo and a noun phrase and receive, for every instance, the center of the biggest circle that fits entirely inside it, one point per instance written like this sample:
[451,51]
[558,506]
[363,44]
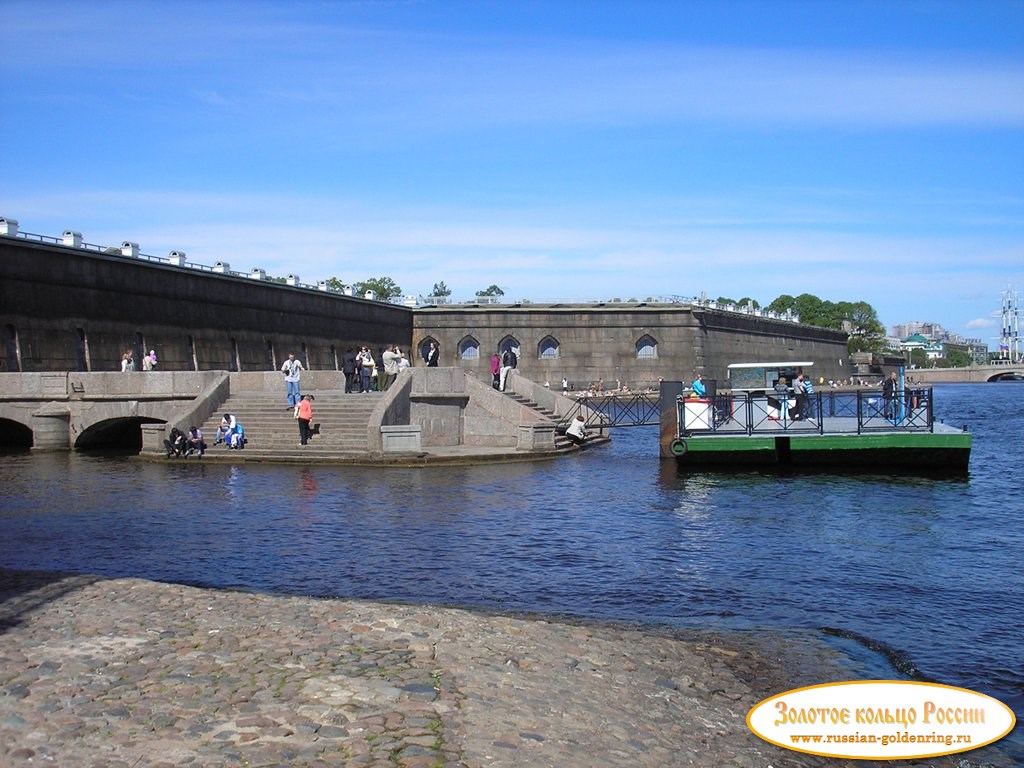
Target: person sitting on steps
[227,426]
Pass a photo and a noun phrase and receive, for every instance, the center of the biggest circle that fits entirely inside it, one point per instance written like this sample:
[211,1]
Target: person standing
[304,414]
[808,410]
[495,369]
[800,394]
[508,362]
[389,358]
[431,355]
[890,391]
[127,362]
[348,367]
[292,373]
[699,390]
[366,368]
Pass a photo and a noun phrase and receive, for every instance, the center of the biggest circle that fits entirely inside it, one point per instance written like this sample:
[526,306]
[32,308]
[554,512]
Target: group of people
[128,361]
[184,444]
[801,404]
[230,432]
[501,365]
[365,372]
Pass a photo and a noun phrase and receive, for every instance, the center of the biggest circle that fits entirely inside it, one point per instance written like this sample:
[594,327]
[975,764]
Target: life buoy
[678,447]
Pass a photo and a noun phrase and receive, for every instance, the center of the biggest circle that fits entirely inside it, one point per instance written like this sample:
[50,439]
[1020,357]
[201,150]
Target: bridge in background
[974,374]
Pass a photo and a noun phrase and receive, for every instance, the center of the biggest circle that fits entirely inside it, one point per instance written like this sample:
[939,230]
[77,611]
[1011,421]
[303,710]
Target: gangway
[617,410]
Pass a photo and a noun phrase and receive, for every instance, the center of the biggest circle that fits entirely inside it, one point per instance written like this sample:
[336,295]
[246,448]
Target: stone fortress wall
[69,307]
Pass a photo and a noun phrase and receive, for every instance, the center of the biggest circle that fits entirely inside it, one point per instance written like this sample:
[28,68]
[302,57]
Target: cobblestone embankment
[122,673]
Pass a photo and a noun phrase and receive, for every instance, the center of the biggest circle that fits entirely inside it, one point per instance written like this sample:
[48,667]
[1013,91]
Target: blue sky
[591,150]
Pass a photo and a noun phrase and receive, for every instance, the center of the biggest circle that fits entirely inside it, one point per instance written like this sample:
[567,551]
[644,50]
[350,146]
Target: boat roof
[771,365]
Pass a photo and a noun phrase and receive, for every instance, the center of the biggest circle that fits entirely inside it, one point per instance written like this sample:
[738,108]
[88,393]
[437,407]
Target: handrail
[635,410]
[863,411]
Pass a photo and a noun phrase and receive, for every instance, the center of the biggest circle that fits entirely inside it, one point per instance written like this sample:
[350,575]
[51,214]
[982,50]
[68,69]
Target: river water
[924,571]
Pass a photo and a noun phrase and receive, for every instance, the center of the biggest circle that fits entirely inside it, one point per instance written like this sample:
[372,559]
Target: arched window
[548,348]
[509,342]
[425,347]
[646,348]
[469,349]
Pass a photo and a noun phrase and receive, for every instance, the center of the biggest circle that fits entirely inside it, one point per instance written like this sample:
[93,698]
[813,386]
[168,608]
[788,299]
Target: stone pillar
[153,438]
[50,430]
[536,437]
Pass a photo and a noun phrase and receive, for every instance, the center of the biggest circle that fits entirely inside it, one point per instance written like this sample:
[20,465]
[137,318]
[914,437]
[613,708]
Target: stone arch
[425,345]
[646,348]
[469,349]
[549,348]
[14,434]
[123,432]
[510,342]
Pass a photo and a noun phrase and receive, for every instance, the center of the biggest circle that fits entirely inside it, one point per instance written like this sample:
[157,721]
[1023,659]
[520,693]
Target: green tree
[440,289]
[918,358]
[492,290]
[782,305]
[956,358]
[335,284]
[858,318]
[384,287]
[739,302]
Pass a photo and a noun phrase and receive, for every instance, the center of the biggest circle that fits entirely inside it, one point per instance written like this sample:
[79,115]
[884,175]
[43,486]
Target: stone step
[271,428]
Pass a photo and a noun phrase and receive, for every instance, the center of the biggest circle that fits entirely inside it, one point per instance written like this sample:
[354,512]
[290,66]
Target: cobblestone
[123,672]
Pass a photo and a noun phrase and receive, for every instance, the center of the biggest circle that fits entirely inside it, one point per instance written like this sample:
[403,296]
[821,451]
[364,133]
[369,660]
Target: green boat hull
[928,451]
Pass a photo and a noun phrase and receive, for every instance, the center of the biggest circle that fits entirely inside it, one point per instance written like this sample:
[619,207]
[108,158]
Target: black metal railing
[908,410]
[634,410]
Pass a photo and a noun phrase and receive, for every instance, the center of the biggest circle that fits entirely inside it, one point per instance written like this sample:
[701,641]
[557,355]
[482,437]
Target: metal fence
[863,411]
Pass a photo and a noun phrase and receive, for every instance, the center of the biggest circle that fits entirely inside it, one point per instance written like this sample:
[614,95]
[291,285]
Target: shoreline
[125,672]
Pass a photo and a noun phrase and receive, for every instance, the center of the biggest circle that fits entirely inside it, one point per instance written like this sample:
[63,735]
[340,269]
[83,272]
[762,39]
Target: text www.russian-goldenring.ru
[885,739]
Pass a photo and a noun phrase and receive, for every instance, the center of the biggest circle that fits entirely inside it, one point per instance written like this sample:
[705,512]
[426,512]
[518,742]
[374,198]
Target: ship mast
[1009,342]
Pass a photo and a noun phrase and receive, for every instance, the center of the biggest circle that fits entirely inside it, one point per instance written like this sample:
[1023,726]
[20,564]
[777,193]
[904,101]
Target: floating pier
[828,430]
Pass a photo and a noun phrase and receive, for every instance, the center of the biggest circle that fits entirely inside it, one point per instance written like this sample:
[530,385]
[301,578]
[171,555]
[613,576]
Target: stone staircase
[562,443]
[272,433]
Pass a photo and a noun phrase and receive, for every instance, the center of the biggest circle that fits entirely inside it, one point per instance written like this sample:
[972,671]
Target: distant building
[933,350]
[930,331]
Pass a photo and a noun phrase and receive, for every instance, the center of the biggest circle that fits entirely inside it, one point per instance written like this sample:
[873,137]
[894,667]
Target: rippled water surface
[928,567]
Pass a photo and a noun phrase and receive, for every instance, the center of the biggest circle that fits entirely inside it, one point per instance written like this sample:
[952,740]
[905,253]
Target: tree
[335,284]
[782,305]
[384,287]
[741,303]
[858,318]
[493,290]
[918,358]
[956,358]
[440,289]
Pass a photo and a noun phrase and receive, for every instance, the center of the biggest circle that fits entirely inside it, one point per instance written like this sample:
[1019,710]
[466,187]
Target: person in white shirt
[292,373]
[577,430]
